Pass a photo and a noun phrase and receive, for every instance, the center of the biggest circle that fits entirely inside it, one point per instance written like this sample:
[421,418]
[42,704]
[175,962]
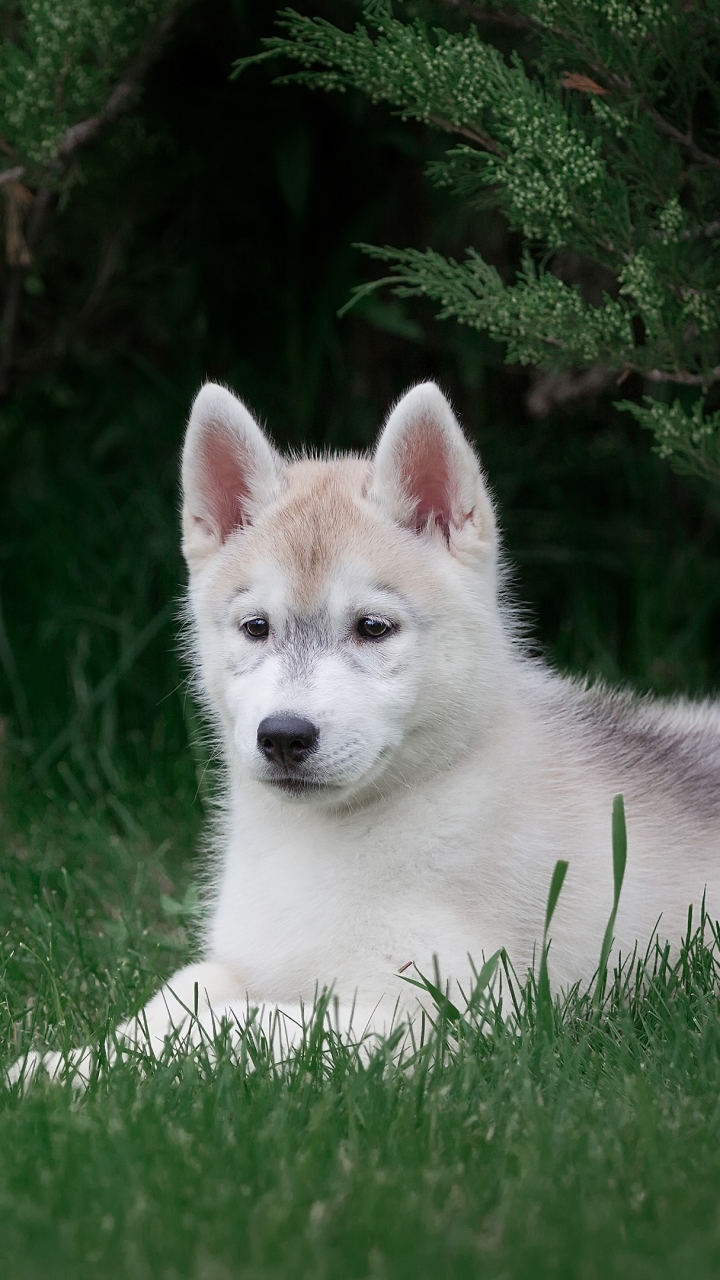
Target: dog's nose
[286,739]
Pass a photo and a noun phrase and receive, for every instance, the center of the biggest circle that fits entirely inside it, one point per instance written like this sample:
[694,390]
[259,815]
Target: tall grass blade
[619,851]
[483,978]
[445,1006]
[105,687]
[556,885]
[619,846]
[543,998]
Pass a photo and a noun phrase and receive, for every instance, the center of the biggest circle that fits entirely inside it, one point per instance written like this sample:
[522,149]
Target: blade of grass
[544,998]
[105,687]
[619,851]
[57,1002]
[484,977]
[444,1005]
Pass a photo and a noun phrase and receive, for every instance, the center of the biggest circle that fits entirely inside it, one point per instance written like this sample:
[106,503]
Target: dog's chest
[302,903]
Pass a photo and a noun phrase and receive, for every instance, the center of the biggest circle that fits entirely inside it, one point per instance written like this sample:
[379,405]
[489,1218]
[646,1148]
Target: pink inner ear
[426,475]
[225,481]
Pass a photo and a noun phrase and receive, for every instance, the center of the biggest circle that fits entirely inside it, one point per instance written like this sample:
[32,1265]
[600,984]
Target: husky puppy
[399,776]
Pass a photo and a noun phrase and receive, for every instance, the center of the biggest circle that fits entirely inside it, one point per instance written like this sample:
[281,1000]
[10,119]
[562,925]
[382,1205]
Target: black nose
[286,739]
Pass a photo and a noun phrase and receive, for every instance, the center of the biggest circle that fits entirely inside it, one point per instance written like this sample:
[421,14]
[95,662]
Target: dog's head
[345,611]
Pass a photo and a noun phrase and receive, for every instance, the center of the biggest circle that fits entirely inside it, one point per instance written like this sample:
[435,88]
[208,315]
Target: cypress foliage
[60,61]
[602,140]
[68,69]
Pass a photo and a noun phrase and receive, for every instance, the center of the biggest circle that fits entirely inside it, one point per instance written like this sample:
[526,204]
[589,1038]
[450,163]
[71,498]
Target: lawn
[583,1145]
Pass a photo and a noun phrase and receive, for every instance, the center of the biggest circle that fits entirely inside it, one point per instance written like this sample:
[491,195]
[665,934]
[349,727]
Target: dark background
[211,235]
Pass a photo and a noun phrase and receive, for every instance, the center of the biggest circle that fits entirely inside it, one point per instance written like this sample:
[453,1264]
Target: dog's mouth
[294,786]
[299,786]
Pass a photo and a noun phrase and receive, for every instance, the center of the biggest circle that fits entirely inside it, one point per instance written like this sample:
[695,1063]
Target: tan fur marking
[319,518]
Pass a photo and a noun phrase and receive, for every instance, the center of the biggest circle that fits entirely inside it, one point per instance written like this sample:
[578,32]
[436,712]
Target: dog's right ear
[229,472]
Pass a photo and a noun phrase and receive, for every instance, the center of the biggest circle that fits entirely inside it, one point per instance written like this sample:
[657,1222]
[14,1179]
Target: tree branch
[558,390]
[683,140]
[503,17]
[75,137]
[479,136]
[679,375]
[79,135]
[622,83]
[12,175]
[706,231]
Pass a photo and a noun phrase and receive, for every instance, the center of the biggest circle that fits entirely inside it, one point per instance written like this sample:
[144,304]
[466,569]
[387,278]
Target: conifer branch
[683,140]
[79,135]
[75,137]
[12,175]
[502,17]
[478,136]
[706,231]
[557,390]
[607,183]
[680,376]
[623,84]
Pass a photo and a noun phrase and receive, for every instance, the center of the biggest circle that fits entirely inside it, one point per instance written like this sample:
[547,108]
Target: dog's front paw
[30,1064]
[74,1066]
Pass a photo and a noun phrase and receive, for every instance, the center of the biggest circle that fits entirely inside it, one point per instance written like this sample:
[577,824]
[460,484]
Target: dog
[399,775]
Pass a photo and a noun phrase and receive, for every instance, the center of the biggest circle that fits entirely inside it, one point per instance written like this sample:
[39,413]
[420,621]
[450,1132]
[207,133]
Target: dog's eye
[374,628]
[256,628]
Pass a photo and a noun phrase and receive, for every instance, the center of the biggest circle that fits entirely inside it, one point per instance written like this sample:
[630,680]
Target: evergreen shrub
[598,141]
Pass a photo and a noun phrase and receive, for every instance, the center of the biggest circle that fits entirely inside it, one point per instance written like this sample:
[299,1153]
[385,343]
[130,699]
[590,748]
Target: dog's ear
[426,475]
[229,472]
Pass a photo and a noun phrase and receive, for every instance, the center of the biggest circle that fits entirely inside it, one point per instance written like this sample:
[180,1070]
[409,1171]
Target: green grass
[581,1139]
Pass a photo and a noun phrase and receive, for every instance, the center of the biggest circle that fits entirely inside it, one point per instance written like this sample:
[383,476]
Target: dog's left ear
[426,475]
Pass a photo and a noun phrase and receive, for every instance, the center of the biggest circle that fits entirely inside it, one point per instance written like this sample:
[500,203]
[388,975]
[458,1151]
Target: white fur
[451,771]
